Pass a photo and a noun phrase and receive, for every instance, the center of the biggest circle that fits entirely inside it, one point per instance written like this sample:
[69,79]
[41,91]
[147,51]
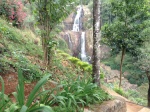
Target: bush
[13,11]
[119,91]
[75,94]
[21,105]
[136,97]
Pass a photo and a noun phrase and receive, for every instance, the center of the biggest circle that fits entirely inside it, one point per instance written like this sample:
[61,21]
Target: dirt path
[131,107]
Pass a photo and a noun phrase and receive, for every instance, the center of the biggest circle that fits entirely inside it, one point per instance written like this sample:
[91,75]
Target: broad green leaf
[33,93]
[24,108]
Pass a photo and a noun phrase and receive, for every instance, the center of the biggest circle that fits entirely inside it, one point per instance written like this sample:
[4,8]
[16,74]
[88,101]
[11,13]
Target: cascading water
[70,42]
[76,25]
[83,53]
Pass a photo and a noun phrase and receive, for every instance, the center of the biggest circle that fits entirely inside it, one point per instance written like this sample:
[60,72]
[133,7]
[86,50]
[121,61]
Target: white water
[83,53]
[76,25]
[70,42]
[76,28]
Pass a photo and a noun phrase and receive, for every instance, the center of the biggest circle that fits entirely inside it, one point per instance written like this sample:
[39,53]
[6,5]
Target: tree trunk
[121,63]
[148,95]
[96,42]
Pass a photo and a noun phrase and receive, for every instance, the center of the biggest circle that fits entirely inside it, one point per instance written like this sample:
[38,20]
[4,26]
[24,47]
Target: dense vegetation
[21,51]
[30,45]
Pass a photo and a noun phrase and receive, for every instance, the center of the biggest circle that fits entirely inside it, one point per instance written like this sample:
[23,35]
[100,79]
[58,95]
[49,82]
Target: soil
[131,107]
[11,82]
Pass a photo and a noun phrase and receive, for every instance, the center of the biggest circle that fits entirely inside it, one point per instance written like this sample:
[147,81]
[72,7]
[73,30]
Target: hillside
[18,49]
[20,54]
[54,60]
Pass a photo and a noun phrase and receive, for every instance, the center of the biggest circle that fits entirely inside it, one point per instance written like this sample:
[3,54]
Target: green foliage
[49,14]
[7,32]
[53,11]
[86,67]
[13,11]
[4,64]
[74,60]
[124,31]
[111,62]
[21,105]
[30,71]
[33,95]
[106,14]
[62,45]
[144,58]
[135,75]
[64,54]
[136,97]
[76,94]
[17,45]
[119,91]
[83,65]
[17,40]
[20,89]
[4,100]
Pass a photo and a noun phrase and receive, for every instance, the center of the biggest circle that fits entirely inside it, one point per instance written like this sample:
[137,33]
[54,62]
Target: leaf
[42,108]
[13,108]
[20,88]
[24,108]
[2,93]
[33,93]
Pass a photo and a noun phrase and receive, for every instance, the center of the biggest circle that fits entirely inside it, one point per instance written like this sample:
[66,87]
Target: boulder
[116,105]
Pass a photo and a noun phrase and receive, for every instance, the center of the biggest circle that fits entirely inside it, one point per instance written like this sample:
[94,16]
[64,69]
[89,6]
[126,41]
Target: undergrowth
[74,92]
[68,96]
[16,45]
[134,73]
[133,95]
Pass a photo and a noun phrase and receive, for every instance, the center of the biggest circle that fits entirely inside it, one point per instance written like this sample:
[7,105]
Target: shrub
[21,105]
[4,100]
[119,91]
[75,94]
[13,10]
[136,97]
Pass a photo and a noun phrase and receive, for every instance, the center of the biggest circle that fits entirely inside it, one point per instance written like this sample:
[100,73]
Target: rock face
[73,38]
[73,41]
[116,105]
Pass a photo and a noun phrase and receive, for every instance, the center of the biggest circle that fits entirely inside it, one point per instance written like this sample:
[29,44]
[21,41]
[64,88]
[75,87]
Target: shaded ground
[11,82]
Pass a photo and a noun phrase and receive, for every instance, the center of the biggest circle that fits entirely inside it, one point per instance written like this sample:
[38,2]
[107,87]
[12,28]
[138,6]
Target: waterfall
[70,41]
[77,23]
[83,53]
[77,26]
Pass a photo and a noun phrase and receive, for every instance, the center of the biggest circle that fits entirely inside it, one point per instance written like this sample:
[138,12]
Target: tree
[106,15]
[123,34]
[144,58]
[144,63]
[50,13]
[96,42]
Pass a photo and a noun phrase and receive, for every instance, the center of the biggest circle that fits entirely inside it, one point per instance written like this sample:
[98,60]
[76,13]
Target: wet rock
[75,39]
